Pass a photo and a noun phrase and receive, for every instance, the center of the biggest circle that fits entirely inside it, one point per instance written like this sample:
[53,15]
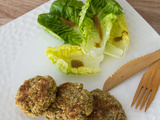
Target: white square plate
[22,56]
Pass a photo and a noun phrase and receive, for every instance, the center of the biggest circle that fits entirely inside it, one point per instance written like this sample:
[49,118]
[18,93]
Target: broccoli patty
[72,103]
[35,95]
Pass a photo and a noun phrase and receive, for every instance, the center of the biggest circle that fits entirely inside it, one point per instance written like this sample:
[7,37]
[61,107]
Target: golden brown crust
[54,113]
[69,101]
[73,101]
[106,107]
[35,95]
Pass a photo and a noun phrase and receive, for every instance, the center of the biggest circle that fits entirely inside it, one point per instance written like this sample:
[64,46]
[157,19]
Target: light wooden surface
[11,9]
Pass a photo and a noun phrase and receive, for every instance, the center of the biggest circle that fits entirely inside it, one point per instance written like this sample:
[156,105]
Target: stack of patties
[74,103]
[69,101]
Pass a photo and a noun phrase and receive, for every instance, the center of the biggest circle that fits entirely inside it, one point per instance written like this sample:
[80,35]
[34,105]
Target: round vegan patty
[106,107]
[35,95]
[72,103]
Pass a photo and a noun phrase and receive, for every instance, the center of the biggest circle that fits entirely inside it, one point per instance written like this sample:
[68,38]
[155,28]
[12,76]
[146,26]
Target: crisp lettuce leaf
[102,7]
[96,21]
[119,38]
[62,21]
[72,60]
[94,41]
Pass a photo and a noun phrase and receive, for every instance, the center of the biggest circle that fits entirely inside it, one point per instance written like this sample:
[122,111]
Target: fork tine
[151,97]
[136,94]
[154,88]
[140,97]
[145,98]
[148,86]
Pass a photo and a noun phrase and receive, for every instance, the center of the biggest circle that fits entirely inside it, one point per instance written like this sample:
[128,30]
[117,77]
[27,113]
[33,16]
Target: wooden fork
[148,86]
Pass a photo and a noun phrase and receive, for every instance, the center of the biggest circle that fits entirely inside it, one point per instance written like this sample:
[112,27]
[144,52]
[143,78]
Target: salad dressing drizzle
[67,22]
[76,63]
[99,29]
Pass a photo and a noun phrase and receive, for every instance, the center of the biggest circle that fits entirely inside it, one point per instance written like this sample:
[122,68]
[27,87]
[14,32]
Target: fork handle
[157,63]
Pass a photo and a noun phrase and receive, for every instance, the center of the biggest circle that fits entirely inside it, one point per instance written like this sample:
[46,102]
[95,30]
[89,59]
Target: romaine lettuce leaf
[94,40]
[72,60]
[62,21]
[96,21]
[102,7]
[119,38]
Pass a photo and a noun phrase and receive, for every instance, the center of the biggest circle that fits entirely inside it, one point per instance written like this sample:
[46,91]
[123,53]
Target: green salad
[89,30]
